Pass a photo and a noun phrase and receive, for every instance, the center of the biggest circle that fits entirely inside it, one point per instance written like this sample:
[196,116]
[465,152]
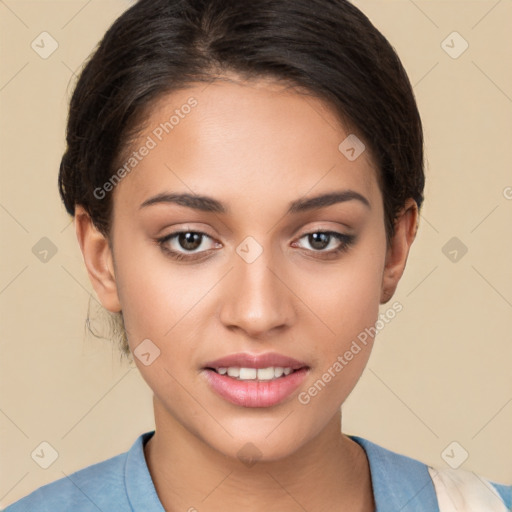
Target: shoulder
[403,483]
[101,486]
[93,488]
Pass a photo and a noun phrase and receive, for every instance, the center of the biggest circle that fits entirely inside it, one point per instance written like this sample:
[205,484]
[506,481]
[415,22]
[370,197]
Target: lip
[254,393]
[247,360]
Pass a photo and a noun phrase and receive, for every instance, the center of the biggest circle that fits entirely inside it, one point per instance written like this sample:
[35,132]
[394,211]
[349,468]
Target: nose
[257,298]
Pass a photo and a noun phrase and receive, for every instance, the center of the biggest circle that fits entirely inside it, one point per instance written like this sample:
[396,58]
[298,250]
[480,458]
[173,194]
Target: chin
[262,444]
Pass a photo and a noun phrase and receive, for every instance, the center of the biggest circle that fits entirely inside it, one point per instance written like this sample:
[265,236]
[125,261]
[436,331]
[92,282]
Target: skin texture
[256,146]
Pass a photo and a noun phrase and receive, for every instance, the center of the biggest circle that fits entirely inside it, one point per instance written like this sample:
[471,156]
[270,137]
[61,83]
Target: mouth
[255,380]
[264,367]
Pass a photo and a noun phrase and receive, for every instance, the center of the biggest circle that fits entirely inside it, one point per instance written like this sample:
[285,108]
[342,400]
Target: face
[259,270]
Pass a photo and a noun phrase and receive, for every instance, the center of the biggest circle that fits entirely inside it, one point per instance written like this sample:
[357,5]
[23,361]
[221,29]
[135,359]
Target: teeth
[248,373]
[266,373]
[269,373]
[233,371]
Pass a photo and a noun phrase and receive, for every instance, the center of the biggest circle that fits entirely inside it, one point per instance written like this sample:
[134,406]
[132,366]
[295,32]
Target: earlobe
[406,226]
[98,260]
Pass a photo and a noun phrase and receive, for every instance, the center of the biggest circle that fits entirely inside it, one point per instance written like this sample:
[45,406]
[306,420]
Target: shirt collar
[139,485]
[399,483]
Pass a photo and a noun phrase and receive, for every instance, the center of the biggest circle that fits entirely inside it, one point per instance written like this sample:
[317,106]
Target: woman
[246,180]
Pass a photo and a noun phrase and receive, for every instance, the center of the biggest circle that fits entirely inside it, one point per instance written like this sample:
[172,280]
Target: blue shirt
[123,484]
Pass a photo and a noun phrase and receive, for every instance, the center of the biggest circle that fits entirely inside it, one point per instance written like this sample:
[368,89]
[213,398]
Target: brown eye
[189,240]
[320,240]
[184,245]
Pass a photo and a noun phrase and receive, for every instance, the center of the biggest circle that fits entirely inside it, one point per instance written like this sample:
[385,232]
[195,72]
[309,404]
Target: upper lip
[247,360]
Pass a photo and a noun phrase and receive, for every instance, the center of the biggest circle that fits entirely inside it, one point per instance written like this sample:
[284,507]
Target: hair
[326,47]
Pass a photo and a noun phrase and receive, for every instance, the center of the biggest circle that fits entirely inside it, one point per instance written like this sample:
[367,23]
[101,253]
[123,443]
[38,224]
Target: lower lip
[251,393]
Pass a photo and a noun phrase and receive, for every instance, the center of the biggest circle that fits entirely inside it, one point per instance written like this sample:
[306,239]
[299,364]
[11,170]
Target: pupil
[319,240]
[190,241]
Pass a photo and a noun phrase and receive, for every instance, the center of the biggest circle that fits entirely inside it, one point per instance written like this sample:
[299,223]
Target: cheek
[344,298]
[154,292]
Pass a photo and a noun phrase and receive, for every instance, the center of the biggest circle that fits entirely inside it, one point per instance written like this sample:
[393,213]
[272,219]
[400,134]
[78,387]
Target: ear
[98,260]
[406,226]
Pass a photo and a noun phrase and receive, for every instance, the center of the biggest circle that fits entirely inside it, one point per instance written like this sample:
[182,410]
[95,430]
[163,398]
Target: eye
[321,240]
[189,245]
[184,244]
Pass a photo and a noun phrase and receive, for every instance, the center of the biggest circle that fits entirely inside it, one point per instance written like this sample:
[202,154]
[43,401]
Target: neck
[331,472]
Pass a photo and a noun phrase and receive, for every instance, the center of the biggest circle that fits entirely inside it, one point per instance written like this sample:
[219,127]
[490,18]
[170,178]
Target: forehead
[233,139]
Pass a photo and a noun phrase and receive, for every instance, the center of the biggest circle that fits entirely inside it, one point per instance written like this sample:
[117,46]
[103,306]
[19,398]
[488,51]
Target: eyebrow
[209,204]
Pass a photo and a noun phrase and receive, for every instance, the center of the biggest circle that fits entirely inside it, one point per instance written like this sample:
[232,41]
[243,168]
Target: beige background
[440,372]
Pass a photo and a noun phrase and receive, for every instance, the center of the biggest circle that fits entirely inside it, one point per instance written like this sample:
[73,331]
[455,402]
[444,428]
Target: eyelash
[346,242]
